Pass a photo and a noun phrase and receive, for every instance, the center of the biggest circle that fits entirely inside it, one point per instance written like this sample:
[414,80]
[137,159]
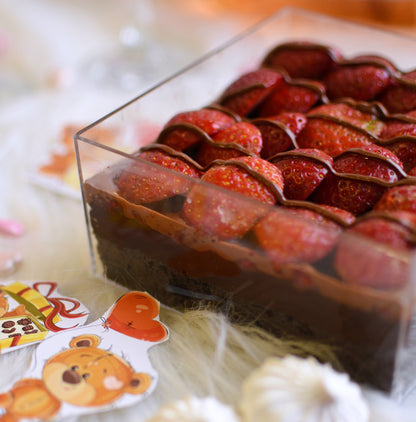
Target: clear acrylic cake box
[151,248]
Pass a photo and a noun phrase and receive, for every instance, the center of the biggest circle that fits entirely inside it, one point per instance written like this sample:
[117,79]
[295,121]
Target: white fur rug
[205,354]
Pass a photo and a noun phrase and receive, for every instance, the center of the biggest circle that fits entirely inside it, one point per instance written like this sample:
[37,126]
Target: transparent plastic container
[151,246]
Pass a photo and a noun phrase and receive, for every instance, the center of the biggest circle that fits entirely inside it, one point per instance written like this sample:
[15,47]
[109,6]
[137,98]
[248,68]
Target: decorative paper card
[100,366]
[30,311]
[59,172]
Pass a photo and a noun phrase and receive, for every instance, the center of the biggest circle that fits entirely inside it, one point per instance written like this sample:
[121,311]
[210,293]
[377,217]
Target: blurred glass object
[139,57]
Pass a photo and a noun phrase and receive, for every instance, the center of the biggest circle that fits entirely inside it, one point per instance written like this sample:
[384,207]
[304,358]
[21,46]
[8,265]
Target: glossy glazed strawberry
[398,198]
[400,136]
[279,132]
[399,127]
[400,96]
[405,150]
[371,160]
[331,136]
[358,81]
[296,235]
[374,252]
[303,170]
[244,94]
[347,113]
[140,183]
[296,97]
[373,165]
[244,138]
[191,123]
[224,215]
[302,59]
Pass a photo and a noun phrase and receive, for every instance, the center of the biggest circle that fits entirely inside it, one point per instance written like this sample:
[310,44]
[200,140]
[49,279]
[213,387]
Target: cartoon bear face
[85,375]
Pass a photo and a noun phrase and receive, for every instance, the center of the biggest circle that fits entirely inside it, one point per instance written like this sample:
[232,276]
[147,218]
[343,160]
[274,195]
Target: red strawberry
[294,96]
[400,96]
[302,59]
[223,214]
[411,114]
[359,194]
[303,170]
[400,136]
[244,94]
[294,121]
[405,151]
[331,136]
[399,127]
[244,136]
[372,160]
[412,172]
[210,121]
[358,80]
[343,217]
[347,113]
[140,183]
[398,198]
[296,235]
[374,251]
[279,132]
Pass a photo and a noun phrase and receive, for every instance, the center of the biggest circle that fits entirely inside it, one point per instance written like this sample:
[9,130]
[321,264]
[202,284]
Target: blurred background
[400,13]
[130,44]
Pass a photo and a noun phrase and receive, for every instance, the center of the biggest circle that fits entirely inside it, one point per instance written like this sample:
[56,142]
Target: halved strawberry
[292,96]
[279,132]
[353,115]
[400,138]
[399,127]
[361,178]
[405,151]
[243,138]
[294,121]
[223,214]
[357,79]
[244,94]
[296,235]
[400,96]
[332,136]
[302,59]
[303,170]
[398,198]
[371,160]
[140,183]
[184,129]
[374,251]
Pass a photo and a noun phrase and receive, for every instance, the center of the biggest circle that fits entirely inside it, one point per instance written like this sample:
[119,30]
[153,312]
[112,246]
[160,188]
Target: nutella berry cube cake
[288,201]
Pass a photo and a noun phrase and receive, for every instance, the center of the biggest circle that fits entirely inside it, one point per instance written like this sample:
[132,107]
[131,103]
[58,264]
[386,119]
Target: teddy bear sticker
[92,368]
